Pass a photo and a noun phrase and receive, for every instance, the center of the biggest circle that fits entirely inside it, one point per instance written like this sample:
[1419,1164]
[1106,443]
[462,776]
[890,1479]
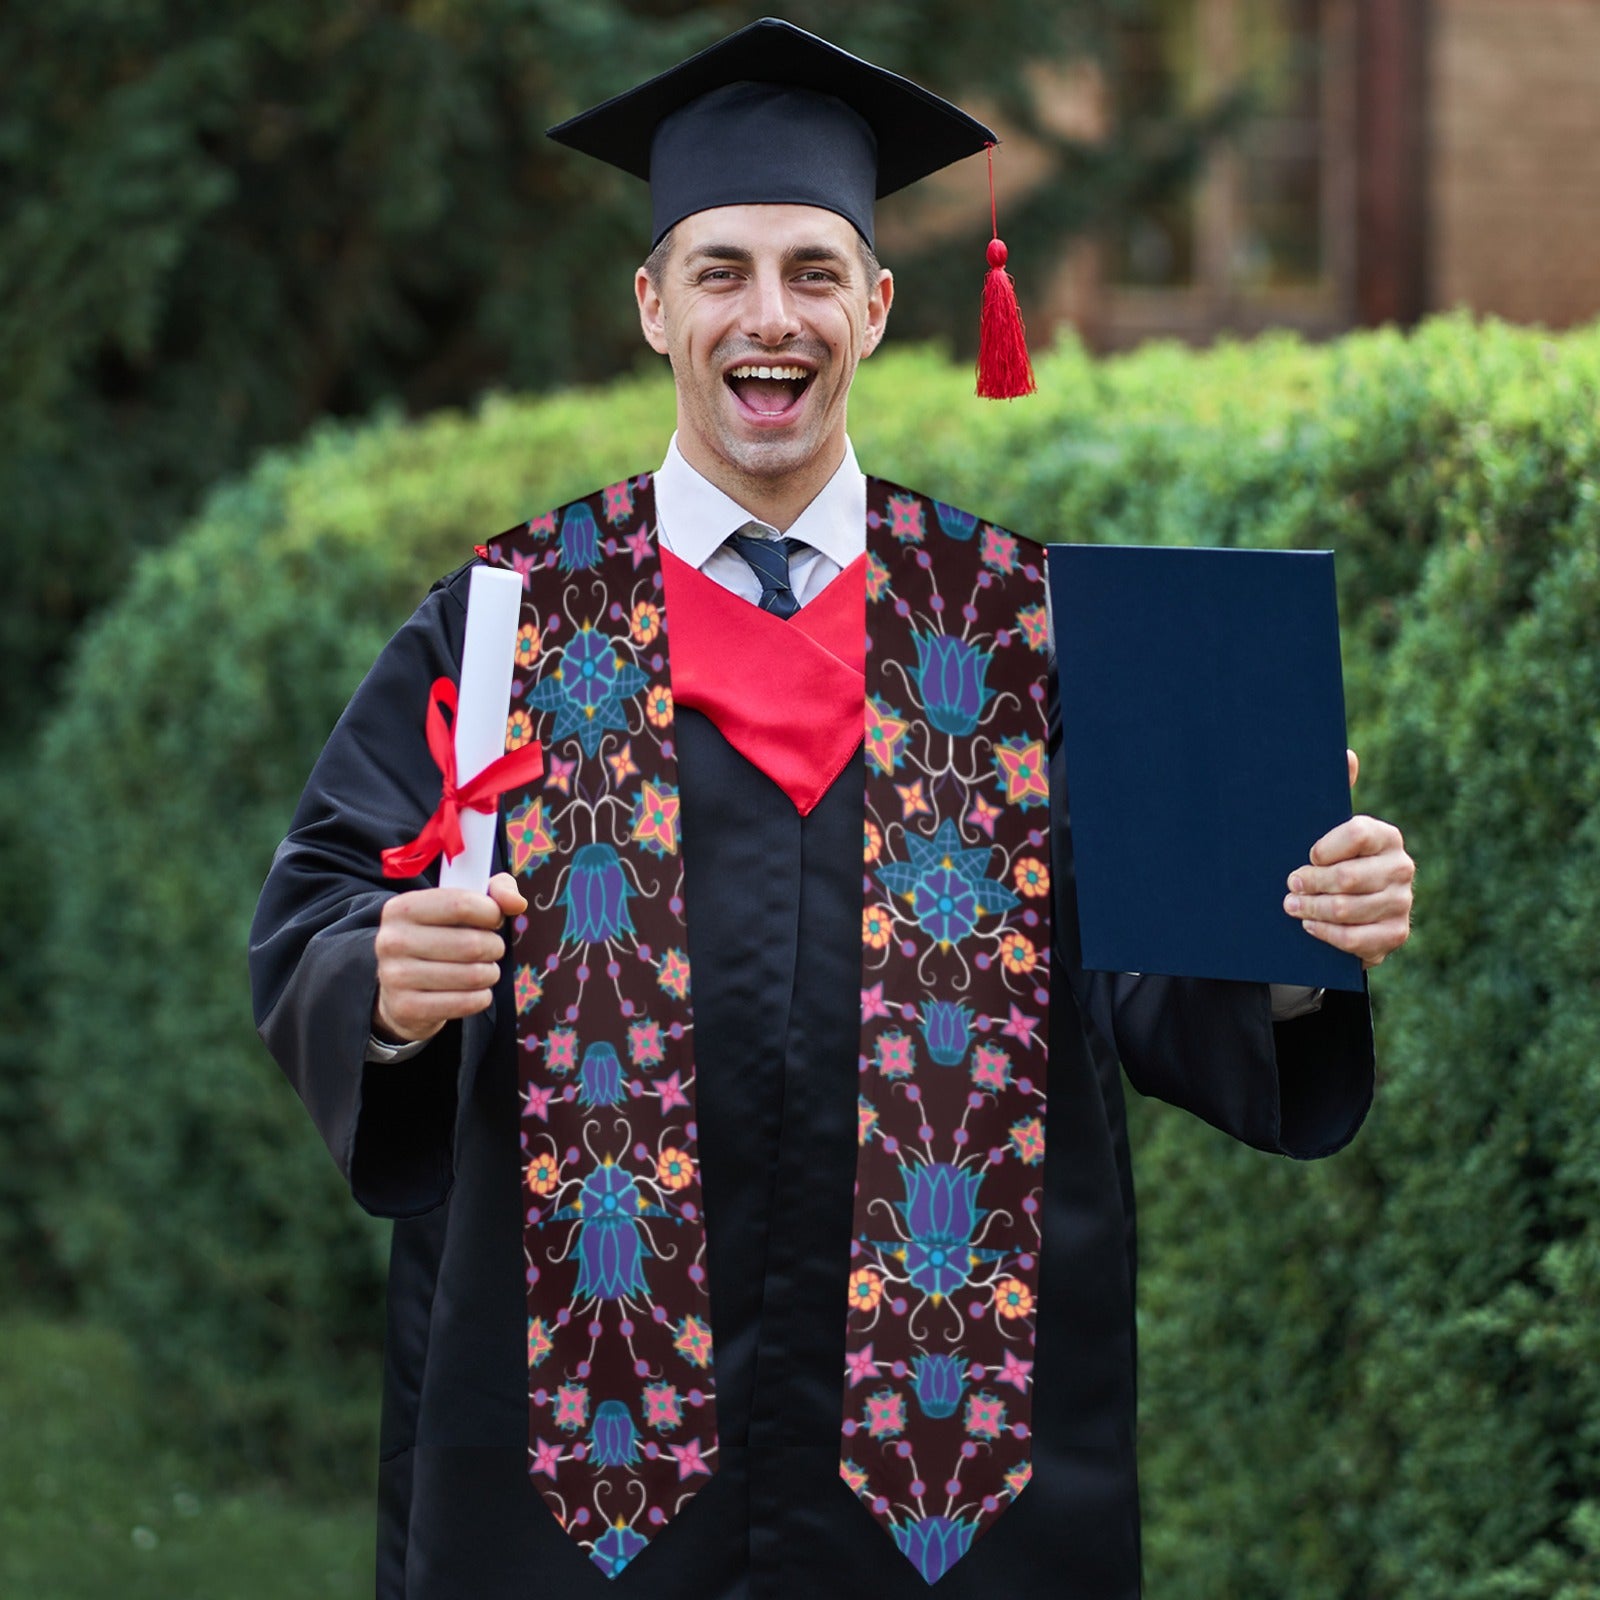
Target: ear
[652,314]
[880,298]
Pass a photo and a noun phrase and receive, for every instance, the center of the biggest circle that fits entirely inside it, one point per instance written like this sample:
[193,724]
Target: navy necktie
[769,560]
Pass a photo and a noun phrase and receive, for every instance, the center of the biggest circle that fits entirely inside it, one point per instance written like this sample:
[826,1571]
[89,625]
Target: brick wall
[1514,177]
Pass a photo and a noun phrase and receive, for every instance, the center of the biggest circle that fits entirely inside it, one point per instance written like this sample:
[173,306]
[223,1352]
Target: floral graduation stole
[955,1000]
[954,1004]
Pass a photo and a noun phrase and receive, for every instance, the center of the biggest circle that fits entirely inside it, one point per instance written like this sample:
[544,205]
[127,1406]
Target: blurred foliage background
[259,268]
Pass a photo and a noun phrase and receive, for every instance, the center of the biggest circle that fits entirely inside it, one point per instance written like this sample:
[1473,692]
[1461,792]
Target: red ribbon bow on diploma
[442,831]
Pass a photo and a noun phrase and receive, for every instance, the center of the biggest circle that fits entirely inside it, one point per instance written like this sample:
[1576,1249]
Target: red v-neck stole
[787,695]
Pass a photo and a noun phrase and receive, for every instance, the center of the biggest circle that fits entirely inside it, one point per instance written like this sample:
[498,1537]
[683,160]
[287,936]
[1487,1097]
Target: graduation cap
[773,115]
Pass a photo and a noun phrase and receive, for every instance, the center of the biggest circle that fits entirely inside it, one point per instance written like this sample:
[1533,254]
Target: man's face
[780,290]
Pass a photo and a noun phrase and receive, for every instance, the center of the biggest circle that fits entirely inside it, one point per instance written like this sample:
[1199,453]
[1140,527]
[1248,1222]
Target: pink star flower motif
[544,526]
[991,1067]
[1020,1027]
[623,765]
[616,500]
[644,1043]
[906,521]
[546,1457]
[1028,1138]
[877,577]
[866,1120]
[872,1003]
[983,815]
[853,1475]
[558,773]
[997,549]
[897,1056]
[572,1407]
[561,1050]
[1019,1477]
[689,1459]
[1035,625]
[884,732]
[986,1416]
[662,1409]
[537,1103]
[540,1344]
[639,547]
[655,818]
[528,835]
[1016,1372]
[912,800]
[671,1094]
[527,988]
[859,1365]
[1024,770]
[522,565]
[674,974]
[693,1342]
[885,1414]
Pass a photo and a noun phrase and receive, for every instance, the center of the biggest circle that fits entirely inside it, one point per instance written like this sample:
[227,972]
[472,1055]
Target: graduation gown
[774,907]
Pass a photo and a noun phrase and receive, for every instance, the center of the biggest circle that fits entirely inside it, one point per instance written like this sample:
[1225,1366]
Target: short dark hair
[655,264]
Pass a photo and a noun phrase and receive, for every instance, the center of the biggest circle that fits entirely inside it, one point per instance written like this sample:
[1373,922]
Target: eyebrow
[795,255]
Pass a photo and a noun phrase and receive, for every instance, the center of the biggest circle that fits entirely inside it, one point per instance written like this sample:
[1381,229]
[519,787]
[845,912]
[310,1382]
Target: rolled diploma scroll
[494,605]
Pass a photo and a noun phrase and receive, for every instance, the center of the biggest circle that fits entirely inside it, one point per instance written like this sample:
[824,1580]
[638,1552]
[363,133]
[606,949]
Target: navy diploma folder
[1202,712]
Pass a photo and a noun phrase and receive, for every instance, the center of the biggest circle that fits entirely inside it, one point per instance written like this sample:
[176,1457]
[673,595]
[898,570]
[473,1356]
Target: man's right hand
[439,954]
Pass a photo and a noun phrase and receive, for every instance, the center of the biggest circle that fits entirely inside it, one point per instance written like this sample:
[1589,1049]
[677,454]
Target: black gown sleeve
[1300,1088]
[313,966]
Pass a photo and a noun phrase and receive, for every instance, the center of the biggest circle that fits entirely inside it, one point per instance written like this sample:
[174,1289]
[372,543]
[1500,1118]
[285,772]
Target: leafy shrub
[1373,1377]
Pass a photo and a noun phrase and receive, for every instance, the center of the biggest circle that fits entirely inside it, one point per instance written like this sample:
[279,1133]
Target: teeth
[798,374]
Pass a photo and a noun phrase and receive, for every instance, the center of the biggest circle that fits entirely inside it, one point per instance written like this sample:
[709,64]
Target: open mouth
[769,391]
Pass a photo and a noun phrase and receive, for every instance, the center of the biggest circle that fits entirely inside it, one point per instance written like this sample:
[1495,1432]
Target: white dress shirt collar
[694,517]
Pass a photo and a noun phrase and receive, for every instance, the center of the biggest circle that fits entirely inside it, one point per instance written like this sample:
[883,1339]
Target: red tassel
[1004,370]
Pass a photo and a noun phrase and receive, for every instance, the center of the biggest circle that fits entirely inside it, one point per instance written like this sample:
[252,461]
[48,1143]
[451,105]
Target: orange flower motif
[1017,954]
[645,623]
[1032,877]
[675,1168]
[877,928]
[519,730]
[544,1174]
[658,705]
[872,843]
[866,1290]
[528,645]
[1013,1298]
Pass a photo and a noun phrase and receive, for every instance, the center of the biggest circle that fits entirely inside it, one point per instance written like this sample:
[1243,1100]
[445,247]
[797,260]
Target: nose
[771,317]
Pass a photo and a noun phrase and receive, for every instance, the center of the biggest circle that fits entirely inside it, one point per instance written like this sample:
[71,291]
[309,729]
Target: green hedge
[1371,1378]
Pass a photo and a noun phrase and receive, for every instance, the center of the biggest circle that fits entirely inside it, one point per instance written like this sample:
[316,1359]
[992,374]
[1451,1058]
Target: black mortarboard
[774,115]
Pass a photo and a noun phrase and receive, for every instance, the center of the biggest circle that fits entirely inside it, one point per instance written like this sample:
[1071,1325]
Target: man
[831,1168]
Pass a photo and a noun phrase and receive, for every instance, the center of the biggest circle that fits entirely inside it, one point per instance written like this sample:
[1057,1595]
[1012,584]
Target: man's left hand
[1355,893]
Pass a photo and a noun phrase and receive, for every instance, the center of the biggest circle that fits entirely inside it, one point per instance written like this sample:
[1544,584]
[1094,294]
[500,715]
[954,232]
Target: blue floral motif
[957,523]
[587,689]
[580,539]
[933,1544]
[596,897]
[600,1076]
[939,1384]
[611,1246]
[940,1212]
[949,676]
[946,884]
[947,1031]
[618,1545]
[613,1440]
